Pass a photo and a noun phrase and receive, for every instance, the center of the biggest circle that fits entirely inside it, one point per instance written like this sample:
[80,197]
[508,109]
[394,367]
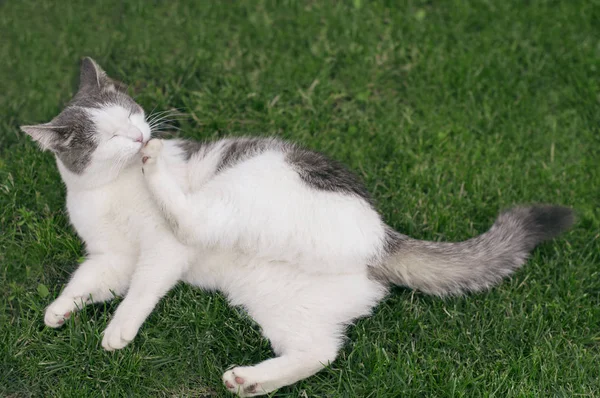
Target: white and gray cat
[284,232]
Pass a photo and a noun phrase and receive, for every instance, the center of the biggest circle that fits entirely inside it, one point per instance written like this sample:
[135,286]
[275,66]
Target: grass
[449,110]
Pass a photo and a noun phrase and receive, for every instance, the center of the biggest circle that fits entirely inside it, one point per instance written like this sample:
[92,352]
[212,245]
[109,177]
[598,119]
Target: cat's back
[264,155]
[282,199]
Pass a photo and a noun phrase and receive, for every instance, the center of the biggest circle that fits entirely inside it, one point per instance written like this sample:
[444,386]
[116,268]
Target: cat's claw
[238,383]
[118,334]
[151,151]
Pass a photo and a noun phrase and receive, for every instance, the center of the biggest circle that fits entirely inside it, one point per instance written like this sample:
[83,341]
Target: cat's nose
[136,134]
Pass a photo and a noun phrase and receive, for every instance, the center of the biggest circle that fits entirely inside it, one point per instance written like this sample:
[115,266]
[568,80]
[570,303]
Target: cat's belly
[218,269]
[269,289]
[231,271]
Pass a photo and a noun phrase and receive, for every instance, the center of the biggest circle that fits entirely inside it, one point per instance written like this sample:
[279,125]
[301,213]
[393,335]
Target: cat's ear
[93,77]
[46,135]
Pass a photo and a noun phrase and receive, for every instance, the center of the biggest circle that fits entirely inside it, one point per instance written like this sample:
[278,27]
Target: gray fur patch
[315,169]
[240,149]
[392,244]
[393,241]
[71,135]
[97,90]
[98,98]
[476,264]
[190,147]
[75,141]
[322,173]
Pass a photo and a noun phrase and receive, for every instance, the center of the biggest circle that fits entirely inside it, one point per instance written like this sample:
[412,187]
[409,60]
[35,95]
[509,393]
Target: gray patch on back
[190,147]
[240,149]
[322,173]
[314,169]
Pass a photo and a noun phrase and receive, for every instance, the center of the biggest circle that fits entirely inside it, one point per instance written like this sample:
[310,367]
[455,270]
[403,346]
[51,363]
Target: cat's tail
[476,264]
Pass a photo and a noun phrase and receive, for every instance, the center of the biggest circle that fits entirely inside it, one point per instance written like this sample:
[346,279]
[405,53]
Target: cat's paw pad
[59,311]
[151,151]
[118,334]
[238,382]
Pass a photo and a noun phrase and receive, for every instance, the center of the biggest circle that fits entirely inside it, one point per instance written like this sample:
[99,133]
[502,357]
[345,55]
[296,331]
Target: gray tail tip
[549,221]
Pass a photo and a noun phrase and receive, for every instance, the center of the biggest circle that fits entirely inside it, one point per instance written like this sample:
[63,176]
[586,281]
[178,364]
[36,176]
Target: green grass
[449,110]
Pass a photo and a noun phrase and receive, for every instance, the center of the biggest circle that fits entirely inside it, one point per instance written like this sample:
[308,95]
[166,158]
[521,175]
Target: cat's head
[101,128]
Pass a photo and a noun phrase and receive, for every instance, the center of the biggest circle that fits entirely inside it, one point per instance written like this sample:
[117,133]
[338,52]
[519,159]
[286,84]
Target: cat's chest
[111,216]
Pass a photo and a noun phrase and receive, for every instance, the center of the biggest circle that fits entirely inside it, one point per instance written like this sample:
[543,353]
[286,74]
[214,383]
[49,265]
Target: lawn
[449,111]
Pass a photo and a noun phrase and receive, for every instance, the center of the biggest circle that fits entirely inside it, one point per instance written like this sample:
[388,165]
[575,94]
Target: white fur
[294,257]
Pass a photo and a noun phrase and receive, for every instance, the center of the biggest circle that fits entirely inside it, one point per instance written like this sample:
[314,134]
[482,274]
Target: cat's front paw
[59,311]
[150,152]
[118,334]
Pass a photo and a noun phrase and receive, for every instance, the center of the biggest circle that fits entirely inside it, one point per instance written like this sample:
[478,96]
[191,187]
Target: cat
[284,232]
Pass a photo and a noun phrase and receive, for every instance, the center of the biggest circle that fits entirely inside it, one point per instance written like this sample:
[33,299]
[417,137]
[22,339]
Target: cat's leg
[161,264]
[197,218]
[168,195]
[293,364]
[98,279]
[304,317]
[303,325]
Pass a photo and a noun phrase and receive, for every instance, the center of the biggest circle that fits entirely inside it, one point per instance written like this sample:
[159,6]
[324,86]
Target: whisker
[158,113]
[165,128]
[152,111]
[163,134]
[166,122]
[173,112]
[161,119]
[173,129]
[163,122]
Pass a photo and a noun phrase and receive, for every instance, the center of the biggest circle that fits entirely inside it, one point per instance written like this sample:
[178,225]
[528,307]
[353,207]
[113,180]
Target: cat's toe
[236,382]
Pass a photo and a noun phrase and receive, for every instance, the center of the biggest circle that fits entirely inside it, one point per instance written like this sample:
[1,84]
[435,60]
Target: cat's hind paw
[237,382]
[151,151]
